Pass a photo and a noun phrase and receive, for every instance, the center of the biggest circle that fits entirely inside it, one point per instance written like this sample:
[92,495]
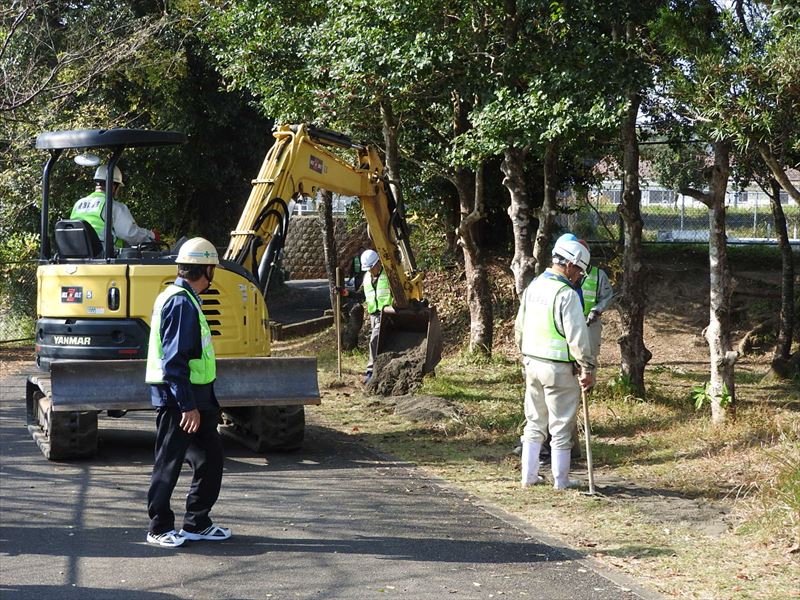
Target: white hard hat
[574,252]
[567,237]
[369,258]
[102,171]
[197,251]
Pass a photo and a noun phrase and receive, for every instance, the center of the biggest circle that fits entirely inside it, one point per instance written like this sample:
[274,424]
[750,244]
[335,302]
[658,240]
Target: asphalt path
[300,300]
[334,520]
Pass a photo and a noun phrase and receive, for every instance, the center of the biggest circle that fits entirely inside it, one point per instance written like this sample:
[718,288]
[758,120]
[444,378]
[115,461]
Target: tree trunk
[721,390]
[325,212]
[479,297]
[632,301]
[783,347]
[523,265]
[392,150]
[453,218]
[547,213]
[470,193]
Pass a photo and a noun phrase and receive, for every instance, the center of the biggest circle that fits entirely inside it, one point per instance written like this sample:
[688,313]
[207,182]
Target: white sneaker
[168,539]
[212,533]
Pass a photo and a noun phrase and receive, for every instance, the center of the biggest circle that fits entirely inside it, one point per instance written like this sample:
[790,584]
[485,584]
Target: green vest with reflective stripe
[357,265]
[90,209]
[378,296]
[540,337]
[589,288]
[201,370]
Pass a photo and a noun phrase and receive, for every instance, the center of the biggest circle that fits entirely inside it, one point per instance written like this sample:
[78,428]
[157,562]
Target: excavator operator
[91,209]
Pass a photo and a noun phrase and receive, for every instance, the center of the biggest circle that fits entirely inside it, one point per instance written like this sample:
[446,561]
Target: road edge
[616,577]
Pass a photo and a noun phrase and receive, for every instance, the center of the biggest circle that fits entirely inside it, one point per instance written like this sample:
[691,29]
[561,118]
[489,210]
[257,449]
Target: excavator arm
[300,163]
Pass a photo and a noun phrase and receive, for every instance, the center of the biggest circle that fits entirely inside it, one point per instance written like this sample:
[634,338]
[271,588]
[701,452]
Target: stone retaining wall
[303,256]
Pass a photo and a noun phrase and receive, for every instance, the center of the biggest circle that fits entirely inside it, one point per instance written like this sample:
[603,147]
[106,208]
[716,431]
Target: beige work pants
[552,395]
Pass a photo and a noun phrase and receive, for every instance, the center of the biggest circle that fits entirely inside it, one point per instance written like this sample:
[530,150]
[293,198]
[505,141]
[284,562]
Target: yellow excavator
[94,300]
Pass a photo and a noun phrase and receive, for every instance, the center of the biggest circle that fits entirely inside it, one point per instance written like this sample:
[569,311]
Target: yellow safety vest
[589,288]
[377,296]
[540,337]
[91,209]
[201,370]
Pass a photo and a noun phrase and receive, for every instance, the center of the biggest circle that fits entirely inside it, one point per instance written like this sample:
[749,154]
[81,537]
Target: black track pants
[203,451]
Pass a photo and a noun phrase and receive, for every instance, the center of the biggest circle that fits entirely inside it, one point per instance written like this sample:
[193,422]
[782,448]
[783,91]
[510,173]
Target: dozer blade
[408,328]
[82,385]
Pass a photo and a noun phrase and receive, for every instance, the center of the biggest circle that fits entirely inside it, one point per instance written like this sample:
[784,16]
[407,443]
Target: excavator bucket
[403,330]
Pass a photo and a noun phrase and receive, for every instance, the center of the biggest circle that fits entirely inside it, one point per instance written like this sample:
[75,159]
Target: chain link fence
[17,301]
[683,221]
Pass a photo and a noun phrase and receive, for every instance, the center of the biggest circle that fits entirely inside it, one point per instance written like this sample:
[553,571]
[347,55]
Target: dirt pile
[425,409]
[397,373]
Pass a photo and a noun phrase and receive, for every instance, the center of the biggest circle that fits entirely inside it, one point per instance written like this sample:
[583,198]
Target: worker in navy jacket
[181,369]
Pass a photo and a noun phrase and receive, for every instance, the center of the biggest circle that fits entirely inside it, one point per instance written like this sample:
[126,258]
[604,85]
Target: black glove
[593,316]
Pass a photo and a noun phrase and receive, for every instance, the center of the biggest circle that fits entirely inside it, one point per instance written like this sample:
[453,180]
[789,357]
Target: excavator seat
[77,239]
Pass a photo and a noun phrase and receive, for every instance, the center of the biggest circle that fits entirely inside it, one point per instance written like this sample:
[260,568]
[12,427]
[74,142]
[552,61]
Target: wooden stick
[588,436]
[338,321]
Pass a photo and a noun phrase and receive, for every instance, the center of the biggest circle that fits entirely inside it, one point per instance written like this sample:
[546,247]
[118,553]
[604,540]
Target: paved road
[330,521]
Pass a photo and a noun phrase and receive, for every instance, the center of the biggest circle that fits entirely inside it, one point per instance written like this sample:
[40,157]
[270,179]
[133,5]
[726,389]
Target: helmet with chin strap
[572,251]
[369,258]
[102,171]
[197,251]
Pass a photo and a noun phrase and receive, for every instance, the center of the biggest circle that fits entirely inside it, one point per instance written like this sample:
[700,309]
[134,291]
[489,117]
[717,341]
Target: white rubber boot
[559,463]
[530,463]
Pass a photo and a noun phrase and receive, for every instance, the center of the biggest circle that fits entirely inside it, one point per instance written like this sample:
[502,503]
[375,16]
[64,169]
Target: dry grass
[691,510]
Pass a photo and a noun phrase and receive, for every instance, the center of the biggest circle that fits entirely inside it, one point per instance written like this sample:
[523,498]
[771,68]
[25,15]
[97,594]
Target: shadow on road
[65,592]
[117,542]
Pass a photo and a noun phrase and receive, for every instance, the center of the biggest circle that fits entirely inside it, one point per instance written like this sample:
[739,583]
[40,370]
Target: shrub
[18,284]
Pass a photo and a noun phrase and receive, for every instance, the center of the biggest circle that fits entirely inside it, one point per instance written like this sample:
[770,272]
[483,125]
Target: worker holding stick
[552,334]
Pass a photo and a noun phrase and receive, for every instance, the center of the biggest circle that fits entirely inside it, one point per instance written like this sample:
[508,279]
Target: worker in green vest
[552,335]
[181,369]
[356,269]
[92,210]
[378,295]
[597,297]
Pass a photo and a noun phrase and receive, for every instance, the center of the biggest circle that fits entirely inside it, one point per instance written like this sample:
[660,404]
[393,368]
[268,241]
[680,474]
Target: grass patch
[709,511]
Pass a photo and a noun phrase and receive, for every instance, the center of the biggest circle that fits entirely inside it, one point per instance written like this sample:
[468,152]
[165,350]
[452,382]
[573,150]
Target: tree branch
[778,172]
[698,195]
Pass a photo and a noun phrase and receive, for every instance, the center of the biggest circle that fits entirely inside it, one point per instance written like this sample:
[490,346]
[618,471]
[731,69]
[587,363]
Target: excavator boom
[300,163]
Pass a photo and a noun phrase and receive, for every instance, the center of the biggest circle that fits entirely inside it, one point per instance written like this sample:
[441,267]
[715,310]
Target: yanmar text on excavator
[95,301]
